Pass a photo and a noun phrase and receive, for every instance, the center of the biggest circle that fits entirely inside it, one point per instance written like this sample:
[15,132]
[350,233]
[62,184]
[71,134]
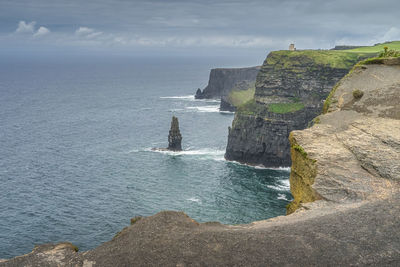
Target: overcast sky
[227,26]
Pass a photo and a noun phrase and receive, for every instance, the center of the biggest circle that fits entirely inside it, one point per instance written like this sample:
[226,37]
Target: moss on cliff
[282,108]
[239,97]
[302,176]
[254,108]
[296,60]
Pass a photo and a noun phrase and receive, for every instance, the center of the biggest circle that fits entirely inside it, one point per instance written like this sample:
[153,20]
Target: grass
[282,108]
[251,107]
[376,48]
[239,97]
[340,59]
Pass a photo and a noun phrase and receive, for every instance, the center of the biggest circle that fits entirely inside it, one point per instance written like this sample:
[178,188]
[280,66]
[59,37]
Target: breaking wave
[191,98]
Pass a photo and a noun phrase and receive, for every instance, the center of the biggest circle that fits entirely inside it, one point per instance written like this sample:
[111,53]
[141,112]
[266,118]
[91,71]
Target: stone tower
[291,47]
[174,137]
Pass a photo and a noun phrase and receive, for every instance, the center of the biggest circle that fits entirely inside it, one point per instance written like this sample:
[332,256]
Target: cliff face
[224,81]
[290,89]
[353,153]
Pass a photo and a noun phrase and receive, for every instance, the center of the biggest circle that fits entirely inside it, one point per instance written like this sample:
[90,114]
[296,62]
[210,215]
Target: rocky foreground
[346,209]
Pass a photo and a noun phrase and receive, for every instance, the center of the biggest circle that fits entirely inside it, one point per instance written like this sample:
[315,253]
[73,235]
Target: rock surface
[302,78]
[347,163]
[174,137]
[223,80]
[353,152]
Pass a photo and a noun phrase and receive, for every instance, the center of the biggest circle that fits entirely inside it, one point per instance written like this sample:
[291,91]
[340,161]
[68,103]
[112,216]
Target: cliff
[352,153]
[289,93]
[344,179]
[223,81]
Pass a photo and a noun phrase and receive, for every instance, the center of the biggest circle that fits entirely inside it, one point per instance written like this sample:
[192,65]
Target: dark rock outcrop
[222,81]
[174,137]
[290,87]
[226,105]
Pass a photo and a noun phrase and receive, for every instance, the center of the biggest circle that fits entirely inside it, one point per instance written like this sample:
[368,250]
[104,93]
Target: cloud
[24,27]
[84,31]
[42,31]
[89,33]
[94,35]
[392,34]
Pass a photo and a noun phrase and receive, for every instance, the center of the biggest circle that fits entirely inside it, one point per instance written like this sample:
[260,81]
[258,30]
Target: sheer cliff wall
[290,91]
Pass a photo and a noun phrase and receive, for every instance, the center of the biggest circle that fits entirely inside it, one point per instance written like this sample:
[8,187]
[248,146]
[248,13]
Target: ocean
[75,150]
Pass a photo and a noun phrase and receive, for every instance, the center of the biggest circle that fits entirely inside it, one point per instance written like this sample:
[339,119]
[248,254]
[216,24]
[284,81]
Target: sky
[201,27]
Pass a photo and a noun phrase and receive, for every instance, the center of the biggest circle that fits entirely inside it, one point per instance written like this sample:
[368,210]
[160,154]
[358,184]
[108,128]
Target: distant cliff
[290,89]
[223,81]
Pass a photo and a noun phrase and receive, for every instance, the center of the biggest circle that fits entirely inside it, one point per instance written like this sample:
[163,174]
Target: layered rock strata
[352,153]
[345,182]
[174,137]
[290,89]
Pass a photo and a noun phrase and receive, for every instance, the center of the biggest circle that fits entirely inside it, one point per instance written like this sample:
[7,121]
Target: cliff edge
[290,90]
[352,153]
[345,181]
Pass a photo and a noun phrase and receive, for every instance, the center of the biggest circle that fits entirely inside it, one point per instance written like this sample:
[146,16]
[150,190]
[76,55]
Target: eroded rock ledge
[345,181]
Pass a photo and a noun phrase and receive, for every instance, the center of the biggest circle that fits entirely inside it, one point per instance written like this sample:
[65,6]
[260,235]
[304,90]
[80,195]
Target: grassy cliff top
[376,48]
[341,59]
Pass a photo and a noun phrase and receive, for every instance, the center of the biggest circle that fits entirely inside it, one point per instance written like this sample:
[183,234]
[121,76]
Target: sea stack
[174,137]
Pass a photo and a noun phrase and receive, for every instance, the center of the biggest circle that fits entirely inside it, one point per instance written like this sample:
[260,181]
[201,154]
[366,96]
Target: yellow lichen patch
[302,176]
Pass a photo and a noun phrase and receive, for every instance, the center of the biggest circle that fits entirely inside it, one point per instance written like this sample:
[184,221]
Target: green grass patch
[376,48]
[285,107]
[239,97]
[297,60]
[251,107]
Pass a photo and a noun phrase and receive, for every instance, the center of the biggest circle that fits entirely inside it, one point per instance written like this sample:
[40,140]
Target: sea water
[75,151]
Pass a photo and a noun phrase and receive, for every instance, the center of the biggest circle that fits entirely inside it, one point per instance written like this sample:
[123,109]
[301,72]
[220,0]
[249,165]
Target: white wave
[176,110]
[287,169]
[284,185]
[191,98]
[194,199]
[133,151]
[226,112]
[282,196]
[260,167]
[185,97]
[201,154]
[213,108]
